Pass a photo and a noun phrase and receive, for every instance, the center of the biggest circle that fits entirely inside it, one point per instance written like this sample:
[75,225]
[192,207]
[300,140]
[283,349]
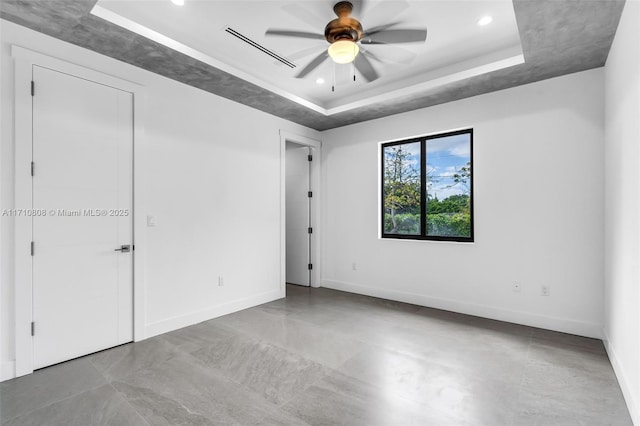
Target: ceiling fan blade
[305,52]
[384,11]
[363,65]
[373,56]
[379,28]
[395,36]
[305,15]
[313,64]
[401,56]
[295,56]
[298,34]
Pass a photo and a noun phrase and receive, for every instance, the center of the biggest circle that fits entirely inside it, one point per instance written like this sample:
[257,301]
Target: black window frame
[423,188]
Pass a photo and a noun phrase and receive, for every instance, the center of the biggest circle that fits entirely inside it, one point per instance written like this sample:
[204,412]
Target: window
[427,187]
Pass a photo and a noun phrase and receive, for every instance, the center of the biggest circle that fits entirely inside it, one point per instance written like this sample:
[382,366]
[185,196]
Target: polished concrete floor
[323,357]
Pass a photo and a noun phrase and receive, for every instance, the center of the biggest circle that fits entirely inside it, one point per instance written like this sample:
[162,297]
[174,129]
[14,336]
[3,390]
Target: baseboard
[565,325]
[627,392]
[7,370]
[181,321]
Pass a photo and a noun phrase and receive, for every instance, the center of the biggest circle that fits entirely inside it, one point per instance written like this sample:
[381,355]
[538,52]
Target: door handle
[124,248]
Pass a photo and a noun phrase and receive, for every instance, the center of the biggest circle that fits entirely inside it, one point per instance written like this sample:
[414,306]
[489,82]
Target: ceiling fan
[345,35]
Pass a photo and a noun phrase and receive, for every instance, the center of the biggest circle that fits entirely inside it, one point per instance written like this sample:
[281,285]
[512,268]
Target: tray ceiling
[527,41]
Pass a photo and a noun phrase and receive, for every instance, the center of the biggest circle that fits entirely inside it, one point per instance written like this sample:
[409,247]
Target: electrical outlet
[354,266]
[516,287]
[545,290]
[220,281]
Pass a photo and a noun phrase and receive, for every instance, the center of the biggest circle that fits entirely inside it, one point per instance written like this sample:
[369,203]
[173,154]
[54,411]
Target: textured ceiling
[558,37]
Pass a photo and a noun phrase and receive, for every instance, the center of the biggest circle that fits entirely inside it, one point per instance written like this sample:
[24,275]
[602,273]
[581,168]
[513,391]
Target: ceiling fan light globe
[343,51]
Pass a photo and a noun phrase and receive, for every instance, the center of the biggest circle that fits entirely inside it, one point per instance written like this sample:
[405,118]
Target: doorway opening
[300,218]
[298,211]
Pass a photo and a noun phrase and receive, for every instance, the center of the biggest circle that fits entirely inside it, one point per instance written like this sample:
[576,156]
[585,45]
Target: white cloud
[448,172]
[457,145]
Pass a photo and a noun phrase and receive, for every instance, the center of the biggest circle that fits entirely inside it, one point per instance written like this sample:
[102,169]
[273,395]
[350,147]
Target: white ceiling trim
[509,58]
[139,29]
[431,84]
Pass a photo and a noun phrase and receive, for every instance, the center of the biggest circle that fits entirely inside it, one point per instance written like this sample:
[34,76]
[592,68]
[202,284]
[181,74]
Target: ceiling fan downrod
[344,27]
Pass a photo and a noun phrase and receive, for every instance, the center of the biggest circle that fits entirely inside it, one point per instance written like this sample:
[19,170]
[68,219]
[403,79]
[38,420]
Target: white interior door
[82,153]
[298,219]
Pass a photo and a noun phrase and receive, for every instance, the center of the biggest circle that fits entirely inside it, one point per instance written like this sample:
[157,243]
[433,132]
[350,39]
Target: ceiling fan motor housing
[344,27]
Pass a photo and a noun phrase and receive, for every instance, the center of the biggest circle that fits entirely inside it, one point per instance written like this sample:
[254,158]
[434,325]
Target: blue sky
[446,156]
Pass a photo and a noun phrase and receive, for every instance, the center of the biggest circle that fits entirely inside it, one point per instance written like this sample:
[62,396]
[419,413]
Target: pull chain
[333,83]
[353,63]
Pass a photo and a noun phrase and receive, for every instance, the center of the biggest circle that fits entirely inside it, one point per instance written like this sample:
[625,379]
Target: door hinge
[310,266]
[33,328]
[310,194]
[33,248]
[33,88]
[310,157]
[33,168]
[310,230]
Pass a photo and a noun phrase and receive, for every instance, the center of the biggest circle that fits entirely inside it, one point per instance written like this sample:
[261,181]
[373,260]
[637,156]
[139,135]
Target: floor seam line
[56,402]
[126,400]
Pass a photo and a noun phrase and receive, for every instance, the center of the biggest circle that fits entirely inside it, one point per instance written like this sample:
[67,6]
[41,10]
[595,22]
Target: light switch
[151,220]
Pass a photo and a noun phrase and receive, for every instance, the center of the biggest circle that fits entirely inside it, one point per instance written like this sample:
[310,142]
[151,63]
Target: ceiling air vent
[260,47]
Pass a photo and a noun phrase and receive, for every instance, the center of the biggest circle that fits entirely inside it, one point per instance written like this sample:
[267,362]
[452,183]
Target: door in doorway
[82,234]
[298,250]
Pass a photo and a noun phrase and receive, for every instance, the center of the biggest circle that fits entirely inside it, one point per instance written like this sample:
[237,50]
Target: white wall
[538,170]
[212,180]
[622,206]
